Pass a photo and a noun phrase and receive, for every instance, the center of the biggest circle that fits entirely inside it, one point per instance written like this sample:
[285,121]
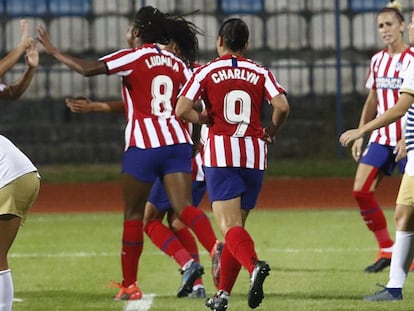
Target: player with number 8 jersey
[157,145]
[153,125]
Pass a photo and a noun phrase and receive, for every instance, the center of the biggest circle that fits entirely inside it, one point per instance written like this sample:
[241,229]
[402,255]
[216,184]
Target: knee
[364,198]
[150,225]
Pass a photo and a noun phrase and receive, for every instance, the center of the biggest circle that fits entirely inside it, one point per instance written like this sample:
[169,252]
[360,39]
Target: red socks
[374,217]
[132,244]
[166,241]
[241,246]
[199,223]
[189,242]
[229,270]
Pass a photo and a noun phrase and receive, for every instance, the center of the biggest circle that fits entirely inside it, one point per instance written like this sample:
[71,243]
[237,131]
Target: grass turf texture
[282,168]
[65,261]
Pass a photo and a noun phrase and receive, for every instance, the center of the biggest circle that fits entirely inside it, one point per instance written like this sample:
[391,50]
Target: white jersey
[386,76]
[408,87]
[13,162]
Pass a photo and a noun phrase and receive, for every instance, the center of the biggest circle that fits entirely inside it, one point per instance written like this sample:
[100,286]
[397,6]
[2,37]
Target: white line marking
[143,304]
[17,300]
[154,253]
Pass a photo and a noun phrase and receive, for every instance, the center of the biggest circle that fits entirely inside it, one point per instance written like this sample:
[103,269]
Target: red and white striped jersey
[385,76]
[151,80]
[234,90]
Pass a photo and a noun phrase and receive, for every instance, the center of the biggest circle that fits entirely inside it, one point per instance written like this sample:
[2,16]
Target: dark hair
[184,34]
[152,25]
[393,7]
[235,34]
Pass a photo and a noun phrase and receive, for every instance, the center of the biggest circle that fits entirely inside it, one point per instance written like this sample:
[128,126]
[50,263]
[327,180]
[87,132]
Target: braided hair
[184,34]
[152,25]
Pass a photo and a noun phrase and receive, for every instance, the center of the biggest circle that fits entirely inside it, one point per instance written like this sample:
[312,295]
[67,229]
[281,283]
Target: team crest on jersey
[388,83]
[398,66]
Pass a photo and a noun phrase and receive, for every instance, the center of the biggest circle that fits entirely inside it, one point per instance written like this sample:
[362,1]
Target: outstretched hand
[24,34]
[32,55]
[349,136]
[43,38]
[79,104]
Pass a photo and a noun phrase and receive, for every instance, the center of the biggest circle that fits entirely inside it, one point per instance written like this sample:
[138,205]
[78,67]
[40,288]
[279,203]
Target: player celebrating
[19,179]
[156,143]
[234,89]
[378,159]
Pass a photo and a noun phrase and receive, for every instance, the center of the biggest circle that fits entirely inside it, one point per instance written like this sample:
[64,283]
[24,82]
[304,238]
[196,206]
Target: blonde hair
[393,7]
[394,4]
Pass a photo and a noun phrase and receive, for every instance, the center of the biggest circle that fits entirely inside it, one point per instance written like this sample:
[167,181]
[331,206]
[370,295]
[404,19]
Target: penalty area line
[143,304]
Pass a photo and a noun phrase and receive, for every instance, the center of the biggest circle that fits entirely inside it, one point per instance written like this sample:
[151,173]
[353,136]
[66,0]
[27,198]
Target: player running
[234,90]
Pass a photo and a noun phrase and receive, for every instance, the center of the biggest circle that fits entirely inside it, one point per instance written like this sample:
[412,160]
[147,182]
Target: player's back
[151,80]
[233,88]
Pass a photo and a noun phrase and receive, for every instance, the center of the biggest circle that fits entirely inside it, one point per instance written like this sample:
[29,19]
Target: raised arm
[389,116]
[84,105]
[14,55]
[16,89]
[84,67]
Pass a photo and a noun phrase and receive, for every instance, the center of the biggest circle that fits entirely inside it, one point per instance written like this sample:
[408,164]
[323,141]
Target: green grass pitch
[65,261]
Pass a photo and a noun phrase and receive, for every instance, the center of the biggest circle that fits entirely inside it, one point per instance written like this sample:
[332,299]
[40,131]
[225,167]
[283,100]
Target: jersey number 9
[237,110]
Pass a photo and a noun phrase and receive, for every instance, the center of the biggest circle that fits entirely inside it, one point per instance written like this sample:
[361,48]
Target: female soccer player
[378,159]
[156,143]
[403,251]
[234,90]
[176,241]
[19,180]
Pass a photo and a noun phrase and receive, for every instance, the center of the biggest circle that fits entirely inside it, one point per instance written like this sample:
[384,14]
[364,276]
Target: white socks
[6,290]
[402,258]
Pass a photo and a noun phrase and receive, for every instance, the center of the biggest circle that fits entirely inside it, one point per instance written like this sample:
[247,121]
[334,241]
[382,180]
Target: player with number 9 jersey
[234,89]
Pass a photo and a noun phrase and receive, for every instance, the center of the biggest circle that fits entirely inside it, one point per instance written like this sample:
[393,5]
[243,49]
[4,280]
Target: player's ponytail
[235,34]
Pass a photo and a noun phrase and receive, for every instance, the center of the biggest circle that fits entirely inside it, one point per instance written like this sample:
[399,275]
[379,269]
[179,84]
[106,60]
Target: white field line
[140,305]
[153,253]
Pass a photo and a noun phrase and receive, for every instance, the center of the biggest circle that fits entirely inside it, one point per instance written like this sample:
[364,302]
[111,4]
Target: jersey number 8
[162,90]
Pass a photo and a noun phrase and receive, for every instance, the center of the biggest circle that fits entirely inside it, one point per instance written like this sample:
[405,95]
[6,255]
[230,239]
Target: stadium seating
[242,6]
[322,5]
[70,33]
[106,87]
[323,31]
[100,7]
[286,30]
[13,30]
[36,89]
[367,5]
[369,38]
[70,7]
[256,29]
[273,6]
[293,74]
[65,83]
[187,6]
[163,6]
[26,8]
[109,33]
[324,76]
[361,70]
[209,24]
